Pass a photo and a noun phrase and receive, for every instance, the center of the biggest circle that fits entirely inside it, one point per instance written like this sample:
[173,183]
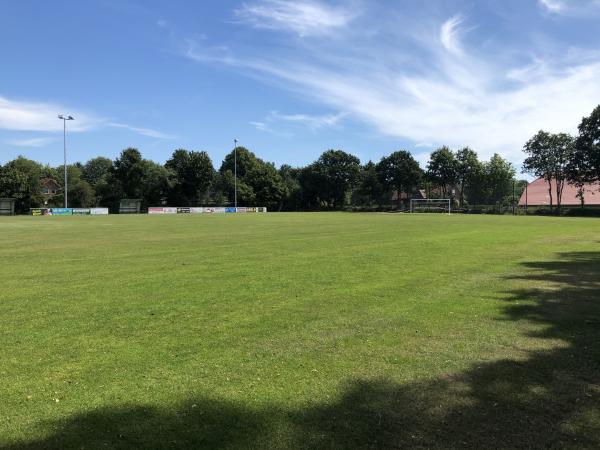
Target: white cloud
[416,80]
[16,115]
[570,7]
[142,131]
[32,116]
[555,6]
[314,122]
[33,142]
[449,34]
[277,123]
[302,17]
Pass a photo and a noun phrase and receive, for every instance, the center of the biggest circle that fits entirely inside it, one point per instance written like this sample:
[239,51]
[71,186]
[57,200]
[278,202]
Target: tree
[258,182]
[468,170]
[548,158]
[96,170]
[81,194]
[266,183]
[586,158]
[292,194]
[442,169]
[154,183]
[337,172]
[499,175]
[192,175]
[369,188]
[20,179]
[128,171]
[401,172]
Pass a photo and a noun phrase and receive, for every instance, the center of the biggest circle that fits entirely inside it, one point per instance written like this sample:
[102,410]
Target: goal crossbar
[430,205]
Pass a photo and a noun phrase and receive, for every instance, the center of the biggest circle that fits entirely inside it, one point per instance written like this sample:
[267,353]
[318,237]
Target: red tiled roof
[537,194]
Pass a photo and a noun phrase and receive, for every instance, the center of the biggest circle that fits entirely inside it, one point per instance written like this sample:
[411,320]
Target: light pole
[64,119]
[235,142]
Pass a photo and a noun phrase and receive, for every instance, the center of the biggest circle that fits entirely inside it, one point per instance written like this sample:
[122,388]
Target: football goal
[430,205]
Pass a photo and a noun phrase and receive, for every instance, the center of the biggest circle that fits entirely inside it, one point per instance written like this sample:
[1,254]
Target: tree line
[336,180]
[561,158]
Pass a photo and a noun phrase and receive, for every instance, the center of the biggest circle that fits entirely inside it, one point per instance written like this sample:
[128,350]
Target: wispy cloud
[278,123]
[313,122]
[570,7]
[16,115]
[555,6]
[34,116]
[142,131]
[303,17]
[33,142]
[449,34]
[467,97]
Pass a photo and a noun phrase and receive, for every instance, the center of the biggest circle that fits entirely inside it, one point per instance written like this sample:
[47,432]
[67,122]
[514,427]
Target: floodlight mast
[235,143]
[66,189]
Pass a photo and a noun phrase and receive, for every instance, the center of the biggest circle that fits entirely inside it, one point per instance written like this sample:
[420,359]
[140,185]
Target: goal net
[430,205]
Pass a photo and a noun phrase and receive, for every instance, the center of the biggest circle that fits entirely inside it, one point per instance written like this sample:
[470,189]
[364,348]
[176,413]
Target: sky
[291,79]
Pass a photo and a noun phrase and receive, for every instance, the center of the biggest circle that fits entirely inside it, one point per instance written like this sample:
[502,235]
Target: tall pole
[64,119]
[235,141]
[513,202]
[526,199]
[65,161]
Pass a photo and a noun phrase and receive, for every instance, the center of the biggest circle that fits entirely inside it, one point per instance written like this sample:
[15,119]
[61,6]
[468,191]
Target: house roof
[536,194]
[50,183]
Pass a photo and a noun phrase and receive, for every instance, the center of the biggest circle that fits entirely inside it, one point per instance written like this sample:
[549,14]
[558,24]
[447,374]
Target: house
[417,194]
[537,194]
[50,188]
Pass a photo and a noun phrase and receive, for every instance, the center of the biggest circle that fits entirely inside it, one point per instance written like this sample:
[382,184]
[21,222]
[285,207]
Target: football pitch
[299,330]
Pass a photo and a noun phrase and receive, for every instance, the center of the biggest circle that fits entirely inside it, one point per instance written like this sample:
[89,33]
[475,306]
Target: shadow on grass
[549,399]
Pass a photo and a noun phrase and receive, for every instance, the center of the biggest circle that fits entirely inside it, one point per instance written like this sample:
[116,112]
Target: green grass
[317,330]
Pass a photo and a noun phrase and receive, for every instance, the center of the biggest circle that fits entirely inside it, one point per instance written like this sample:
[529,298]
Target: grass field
[316,330]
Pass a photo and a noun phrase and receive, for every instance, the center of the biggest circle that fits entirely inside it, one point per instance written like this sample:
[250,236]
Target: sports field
[315,330]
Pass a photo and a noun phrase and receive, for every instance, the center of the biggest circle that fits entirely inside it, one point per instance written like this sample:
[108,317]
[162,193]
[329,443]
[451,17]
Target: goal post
[431,205]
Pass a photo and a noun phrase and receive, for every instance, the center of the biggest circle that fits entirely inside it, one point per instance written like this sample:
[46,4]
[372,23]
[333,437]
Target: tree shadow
[547,399]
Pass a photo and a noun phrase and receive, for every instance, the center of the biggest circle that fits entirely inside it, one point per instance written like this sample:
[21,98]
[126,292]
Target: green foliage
[292,195]
[400,172]
[258,182]
[442,170]
[192,176]
[586,161]
[96,170]
[370,189]
[549,157]
[20,179]
[334,175]
[469,171]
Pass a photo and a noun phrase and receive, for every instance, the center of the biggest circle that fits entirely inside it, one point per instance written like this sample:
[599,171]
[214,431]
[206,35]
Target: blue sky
[291,79]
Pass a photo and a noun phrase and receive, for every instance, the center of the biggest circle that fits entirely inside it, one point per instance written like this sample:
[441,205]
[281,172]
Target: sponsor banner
[209,210]
[81,211]
[98,211]
[196,210]
[62,211]
[261,209]
[229,210]
[170,210]
[241,210]
[155,210]
[219,210]
[250,210]
[41,212]
[184,210]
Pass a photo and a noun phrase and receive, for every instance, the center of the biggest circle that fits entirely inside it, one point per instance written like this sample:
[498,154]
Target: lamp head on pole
[61,117]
